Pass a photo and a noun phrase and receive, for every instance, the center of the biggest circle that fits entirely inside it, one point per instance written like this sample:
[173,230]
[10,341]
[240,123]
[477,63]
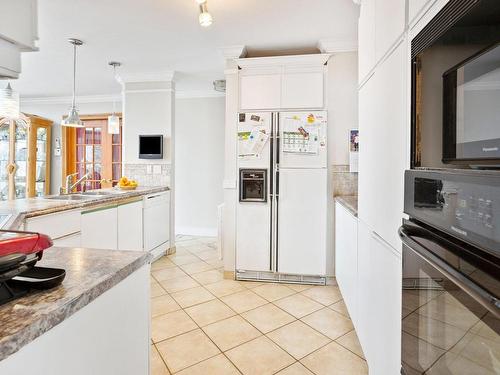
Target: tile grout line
[262,334]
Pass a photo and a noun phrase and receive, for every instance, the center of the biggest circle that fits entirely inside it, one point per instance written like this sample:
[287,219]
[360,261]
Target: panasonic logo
[490,149]
[459,231]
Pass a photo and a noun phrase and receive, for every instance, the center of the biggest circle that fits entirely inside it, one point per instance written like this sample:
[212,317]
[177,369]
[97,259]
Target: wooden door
[93,150]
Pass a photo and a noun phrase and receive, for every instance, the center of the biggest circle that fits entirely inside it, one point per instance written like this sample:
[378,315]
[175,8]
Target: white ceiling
[152,36]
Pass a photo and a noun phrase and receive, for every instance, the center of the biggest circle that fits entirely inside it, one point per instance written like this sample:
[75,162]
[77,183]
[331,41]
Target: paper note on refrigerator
[251,143]
[303,140]
[258,139]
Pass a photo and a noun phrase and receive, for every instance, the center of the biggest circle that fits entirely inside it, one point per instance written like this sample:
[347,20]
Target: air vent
[441,23]
[220,85]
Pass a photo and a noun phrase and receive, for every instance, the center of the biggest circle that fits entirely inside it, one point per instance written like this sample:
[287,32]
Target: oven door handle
[489,302]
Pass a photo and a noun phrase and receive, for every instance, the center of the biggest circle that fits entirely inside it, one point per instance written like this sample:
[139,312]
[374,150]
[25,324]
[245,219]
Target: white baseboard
[196,231]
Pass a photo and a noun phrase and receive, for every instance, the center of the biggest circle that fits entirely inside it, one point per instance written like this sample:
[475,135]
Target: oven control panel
[465,205]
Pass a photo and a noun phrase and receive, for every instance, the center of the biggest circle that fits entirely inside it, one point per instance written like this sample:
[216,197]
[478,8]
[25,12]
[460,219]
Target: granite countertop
[350,202]
[89,273]
[21,209]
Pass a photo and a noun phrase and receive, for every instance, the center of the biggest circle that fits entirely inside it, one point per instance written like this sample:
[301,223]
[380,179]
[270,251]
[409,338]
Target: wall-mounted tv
[151,147]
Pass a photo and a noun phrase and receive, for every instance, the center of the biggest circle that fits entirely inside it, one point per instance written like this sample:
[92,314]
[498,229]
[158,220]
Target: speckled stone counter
[21,209]
[89,273]
[350,202]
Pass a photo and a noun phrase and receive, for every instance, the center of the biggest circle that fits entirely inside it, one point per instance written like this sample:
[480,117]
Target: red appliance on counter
[19,252]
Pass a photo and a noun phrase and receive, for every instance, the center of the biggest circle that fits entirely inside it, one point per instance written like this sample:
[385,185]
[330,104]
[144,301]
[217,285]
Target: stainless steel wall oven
[451,273]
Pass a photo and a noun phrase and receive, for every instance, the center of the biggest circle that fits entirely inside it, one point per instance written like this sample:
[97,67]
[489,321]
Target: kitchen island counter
[91,275]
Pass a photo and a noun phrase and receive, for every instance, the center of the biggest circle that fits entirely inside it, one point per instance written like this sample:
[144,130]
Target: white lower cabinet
[346,257]
[130,226]
[100,228]
[378,322]
[72,240]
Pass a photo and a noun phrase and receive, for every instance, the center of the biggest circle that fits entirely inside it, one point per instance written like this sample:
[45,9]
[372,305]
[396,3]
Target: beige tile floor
[204,324]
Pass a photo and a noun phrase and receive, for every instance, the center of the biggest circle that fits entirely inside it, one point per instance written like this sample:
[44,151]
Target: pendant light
[73,119]
[114,120]
[205,19]
[9,103]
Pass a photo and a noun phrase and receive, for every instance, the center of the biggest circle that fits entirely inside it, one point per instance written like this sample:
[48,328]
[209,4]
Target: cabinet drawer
[55,225]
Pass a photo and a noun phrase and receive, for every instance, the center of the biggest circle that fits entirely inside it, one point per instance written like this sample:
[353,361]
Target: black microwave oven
[471,109]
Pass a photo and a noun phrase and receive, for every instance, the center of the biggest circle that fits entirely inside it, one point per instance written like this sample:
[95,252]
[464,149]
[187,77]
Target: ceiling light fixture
[73,119]
[204,18]
[9,103]
[114,120]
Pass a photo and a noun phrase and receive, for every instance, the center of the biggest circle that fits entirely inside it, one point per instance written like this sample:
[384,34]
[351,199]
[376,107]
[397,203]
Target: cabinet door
[260,90]
[302,88]
[73,240]
[388,28]
[414,8]
[100,228]
[379,302]
[20,27]
[383,154]
[346,257]
[130,226]
[366,38]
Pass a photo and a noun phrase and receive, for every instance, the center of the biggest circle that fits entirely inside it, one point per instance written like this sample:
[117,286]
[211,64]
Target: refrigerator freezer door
[302,215]
[254,139]
[302,139]
[253,236]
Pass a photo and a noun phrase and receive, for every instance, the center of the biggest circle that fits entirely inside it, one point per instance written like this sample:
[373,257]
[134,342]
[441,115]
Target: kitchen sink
[71,197]
[99,193]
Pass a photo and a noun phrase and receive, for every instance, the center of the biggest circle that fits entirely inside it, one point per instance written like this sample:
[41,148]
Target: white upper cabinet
[303,88]
[389,24]
[384,146]
[414,8]
[18,33]
[260,89]
[287,82]
[366,38]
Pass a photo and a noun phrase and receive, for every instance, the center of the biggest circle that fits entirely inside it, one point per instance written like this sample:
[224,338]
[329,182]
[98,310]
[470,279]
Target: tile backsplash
[344,182]
[149,174]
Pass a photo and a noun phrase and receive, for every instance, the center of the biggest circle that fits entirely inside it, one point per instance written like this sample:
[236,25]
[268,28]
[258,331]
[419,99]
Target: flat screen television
[151,147]
[471,109]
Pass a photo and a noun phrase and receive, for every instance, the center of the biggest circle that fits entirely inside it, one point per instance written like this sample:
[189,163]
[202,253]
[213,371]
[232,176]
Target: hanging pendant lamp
[73,119]
[114,120]
[9,103]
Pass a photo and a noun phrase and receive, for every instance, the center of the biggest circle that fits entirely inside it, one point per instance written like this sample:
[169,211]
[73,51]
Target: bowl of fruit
[125,184]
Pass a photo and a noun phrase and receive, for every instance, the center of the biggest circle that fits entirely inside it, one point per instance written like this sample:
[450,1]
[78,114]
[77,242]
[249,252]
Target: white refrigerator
[281,223]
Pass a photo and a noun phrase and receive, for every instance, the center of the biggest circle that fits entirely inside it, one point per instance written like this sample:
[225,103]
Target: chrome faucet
[69,186]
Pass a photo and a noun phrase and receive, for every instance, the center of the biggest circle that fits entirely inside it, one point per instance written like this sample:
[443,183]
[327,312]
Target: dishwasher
[156,222]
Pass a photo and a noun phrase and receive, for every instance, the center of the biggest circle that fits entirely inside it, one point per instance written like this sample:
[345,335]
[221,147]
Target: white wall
[199,172]
[342,96]
[55,112]
[147,109]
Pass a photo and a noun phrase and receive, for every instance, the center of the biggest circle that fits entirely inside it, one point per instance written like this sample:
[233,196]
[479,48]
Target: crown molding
[233,52]
[68,99]
[337,45]
[166,76]
[292,60]
[186,94]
